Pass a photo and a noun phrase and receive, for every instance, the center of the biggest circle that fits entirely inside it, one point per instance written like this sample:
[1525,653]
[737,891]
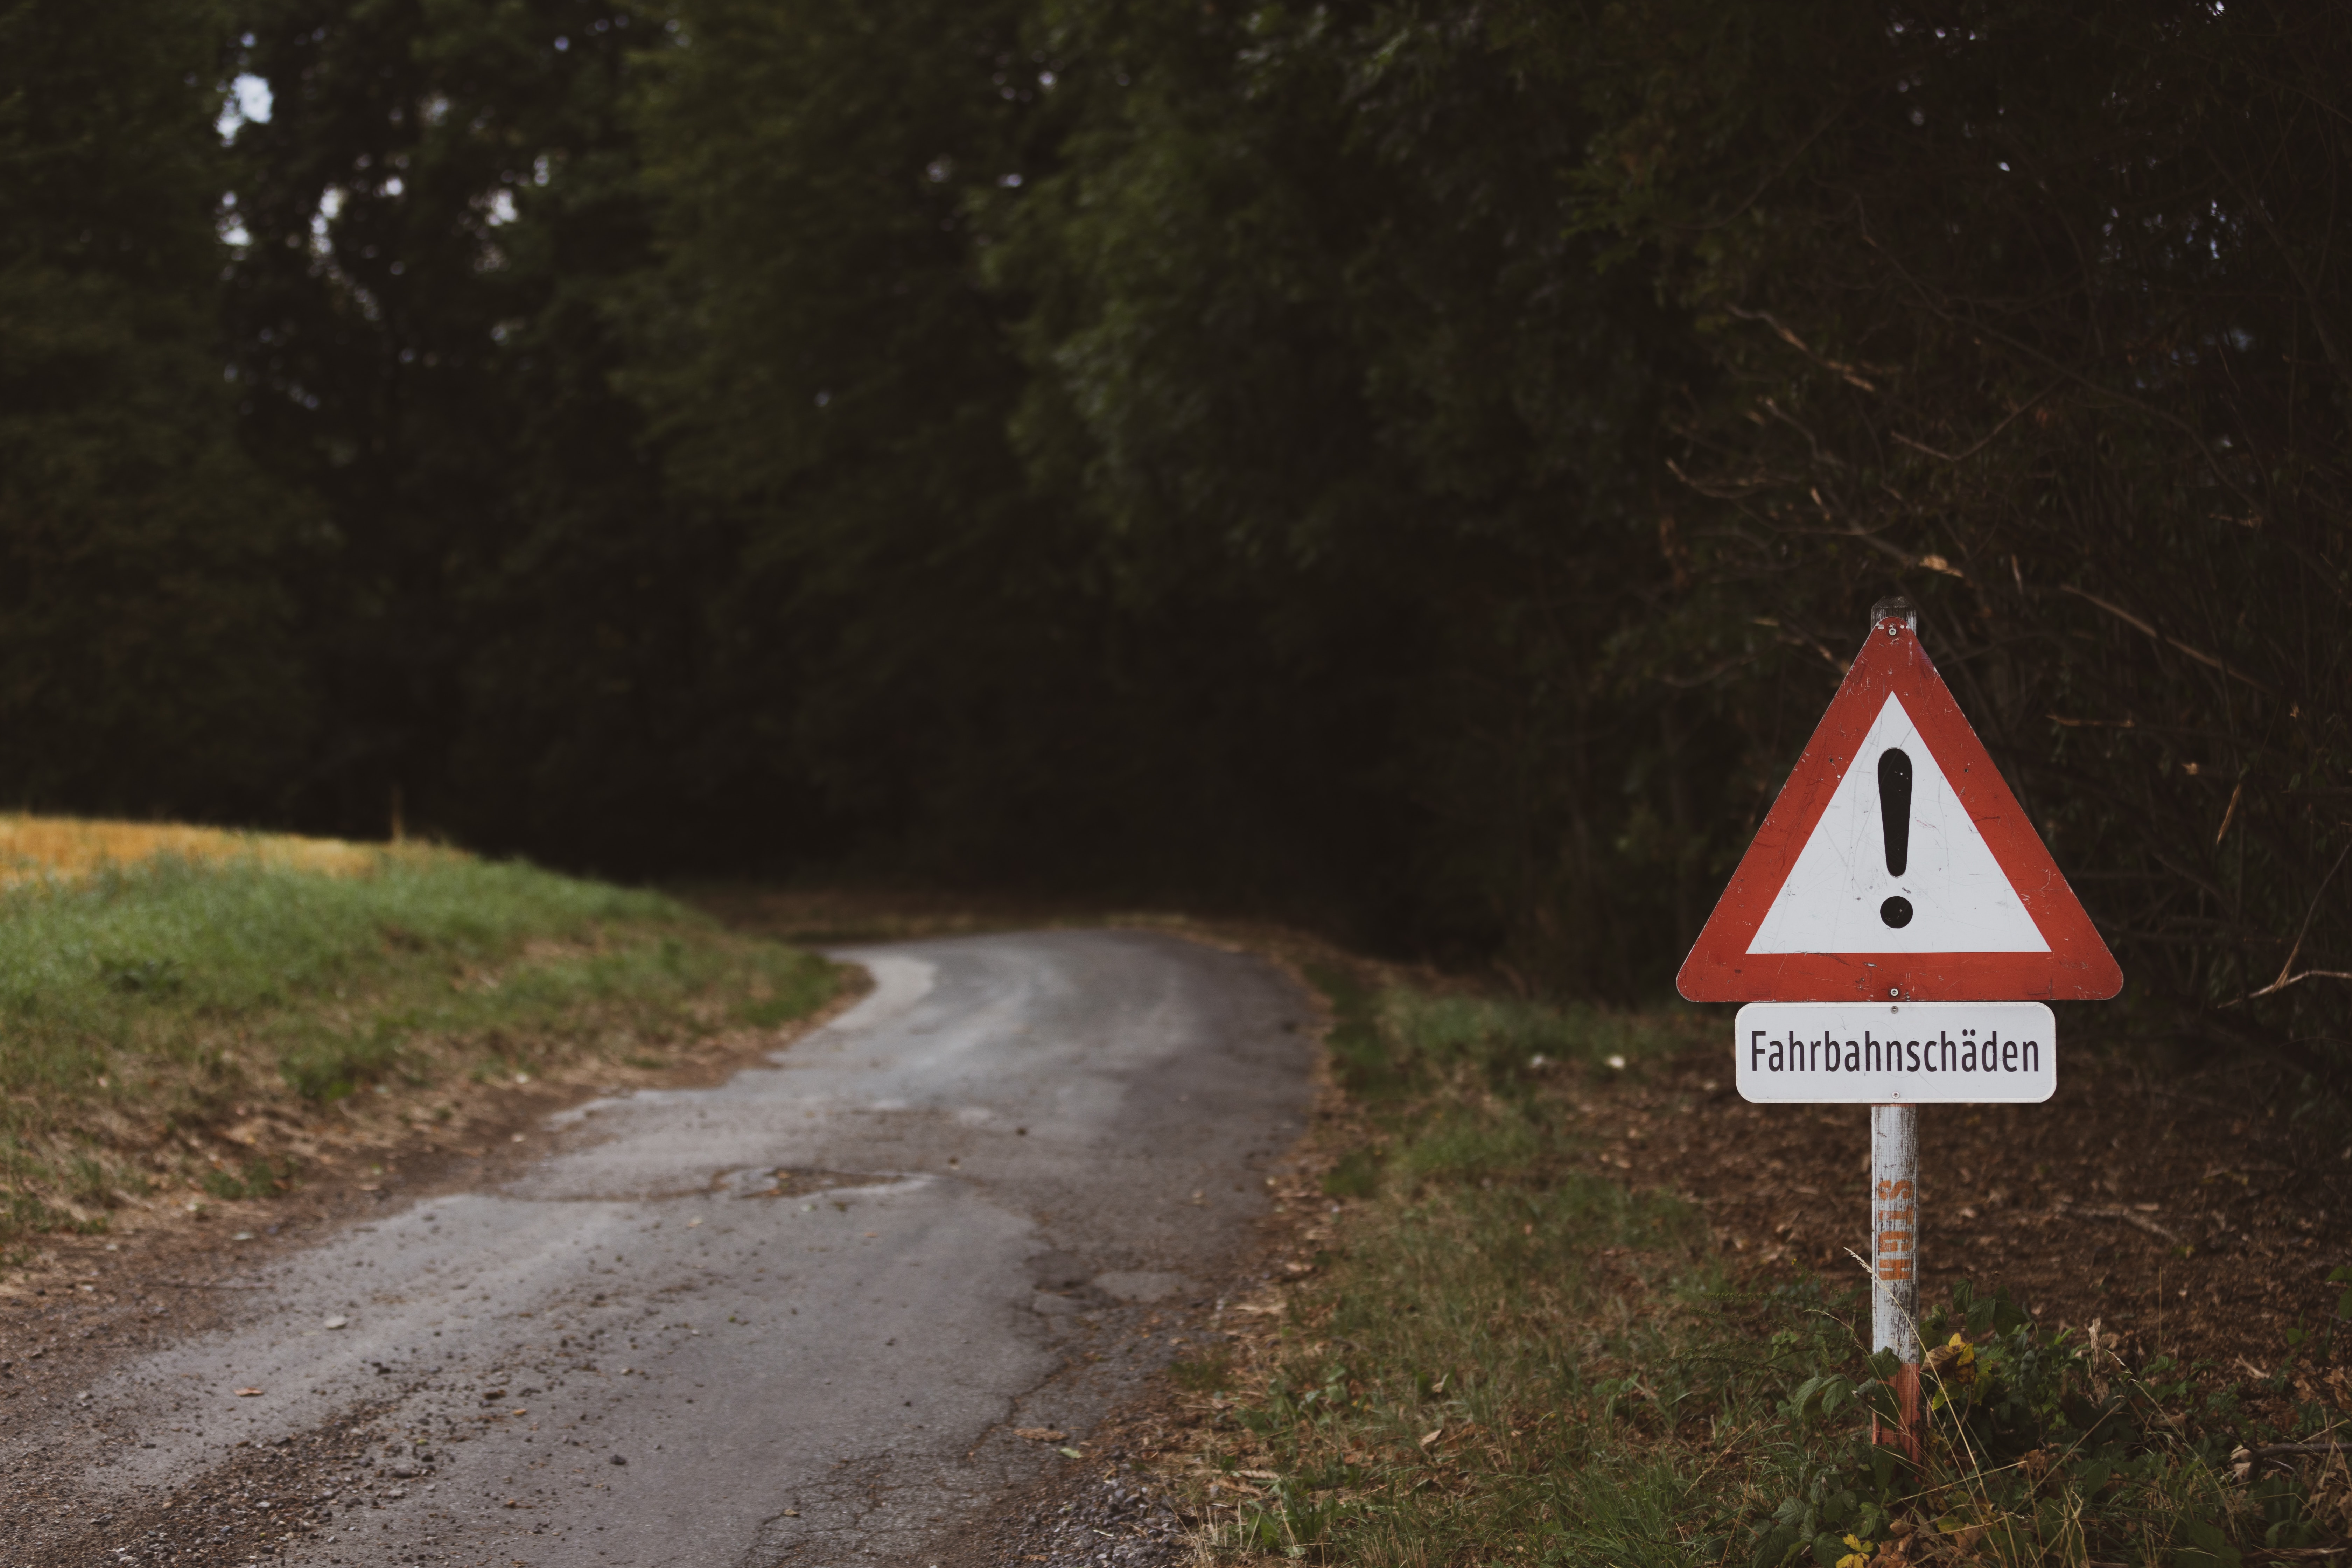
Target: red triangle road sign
[1895,865]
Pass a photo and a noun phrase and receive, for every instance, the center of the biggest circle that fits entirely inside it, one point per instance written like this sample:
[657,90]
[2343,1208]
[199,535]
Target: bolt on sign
[1896,932]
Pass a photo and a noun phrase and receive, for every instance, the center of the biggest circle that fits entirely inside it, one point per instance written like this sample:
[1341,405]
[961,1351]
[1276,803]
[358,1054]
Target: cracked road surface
[795,1318]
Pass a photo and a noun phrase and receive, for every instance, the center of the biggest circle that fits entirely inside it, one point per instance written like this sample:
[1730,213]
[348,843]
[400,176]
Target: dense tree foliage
[1417,463]
[145,651]
[1316,340]
[896,638]
[436,213]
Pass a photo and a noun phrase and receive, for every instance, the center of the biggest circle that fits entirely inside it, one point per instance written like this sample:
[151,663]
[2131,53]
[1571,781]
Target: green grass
[145,1009]
[1464,1076]
[1505,1358]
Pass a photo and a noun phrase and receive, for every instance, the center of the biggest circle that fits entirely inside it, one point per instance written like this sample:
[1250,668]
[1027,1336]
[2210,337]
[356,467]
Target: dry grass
[35,847]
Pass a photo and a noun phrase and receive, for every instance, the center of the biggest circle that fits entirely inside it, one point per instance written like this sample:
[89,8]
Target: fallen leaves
[1954,1361]
[1040,1434]
[2133,1216]
[249,1394]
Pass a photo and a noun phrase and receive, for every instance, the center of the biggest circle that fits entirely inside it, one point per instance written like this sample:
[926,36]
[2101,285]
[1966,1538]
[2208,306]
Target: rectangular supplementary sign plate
[1896,1053]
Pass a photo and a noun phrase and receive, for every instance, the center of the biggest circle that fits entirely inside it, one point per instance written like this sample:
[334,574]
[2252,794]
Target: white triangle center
[1840,896]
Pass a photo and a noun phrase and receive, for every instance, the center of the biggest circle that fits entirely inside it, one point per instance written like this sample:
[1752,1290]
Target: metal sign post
[1894,1257]
[1895,930]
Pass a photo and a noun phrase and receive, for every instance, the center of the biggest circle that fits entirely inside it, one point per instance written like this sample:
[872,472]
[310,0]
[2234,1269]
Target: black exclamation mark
[1894,816]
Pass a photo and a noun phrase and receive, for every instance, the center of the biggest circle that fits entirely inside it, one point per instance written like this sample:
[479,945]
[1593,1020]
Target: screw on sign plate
[1895,931]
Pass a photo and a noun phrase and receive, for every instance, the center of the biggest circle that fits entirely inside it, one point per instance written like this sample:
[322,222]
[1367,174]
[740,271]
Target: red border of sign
[2078,966]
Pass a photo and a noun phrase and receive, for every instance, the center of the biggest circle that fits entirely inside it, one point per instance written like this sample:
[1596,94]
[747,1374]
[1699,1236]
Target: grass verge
[1498,1349]
[194,1022]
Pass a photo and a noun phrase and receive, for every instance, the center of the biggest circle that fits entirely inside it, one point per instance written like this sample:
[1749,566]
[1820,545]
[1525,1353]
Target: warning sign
[1896,866]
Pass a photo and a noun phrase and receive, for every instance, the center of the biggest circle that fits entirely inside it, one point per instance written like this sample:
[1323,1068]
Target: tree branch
[2198,654]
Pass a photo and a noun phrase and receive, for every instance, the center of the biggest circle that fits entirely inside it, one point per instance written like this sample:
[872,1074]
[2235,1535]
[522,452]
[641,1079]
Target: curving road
[793,1319]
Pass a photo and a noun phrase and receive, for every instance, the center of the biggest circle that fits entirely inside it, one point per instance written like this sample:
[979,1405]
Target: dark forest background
[1416,467]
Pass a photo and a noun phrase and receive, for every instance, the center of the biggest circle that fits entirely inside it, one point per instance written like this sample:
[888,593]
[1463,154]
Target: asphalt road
[795,1318]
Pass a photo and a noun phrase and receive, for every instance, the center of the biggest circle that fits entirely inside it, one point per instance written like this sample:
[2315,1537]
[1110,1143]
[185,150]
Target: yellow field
[69,847]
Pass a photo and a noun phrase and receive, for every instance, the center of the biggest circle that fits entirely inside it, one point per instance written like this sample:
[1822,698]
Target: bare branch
[2284,978]
[1972,451]
[2198,654]
[1849,372]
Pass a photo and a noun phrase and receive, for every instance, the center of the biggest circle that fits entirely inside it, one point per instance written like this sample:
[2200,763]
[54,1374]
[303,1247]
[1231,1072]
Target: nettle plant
[2042,1447]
